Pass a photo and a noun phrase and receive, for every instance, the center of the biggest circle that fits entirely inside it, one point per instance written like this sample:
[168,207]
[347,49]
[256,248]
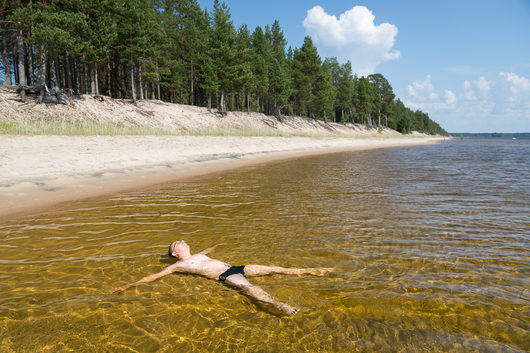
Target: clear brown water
[431,246]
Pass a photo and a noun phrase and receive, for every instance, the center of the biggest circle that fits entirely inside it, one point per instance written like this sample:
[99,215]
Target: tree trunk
[29,61]
[21,69]
[83,80]
[248,103]
[118,78]
[94,85]
[92,81]
[141,88]
[133,86]
[62,70]
[223,103]
[153,97]
[5,57]
[5,62]
[277,110]
[75,76]
[42,74]
[209,101]
[109,83]
[67,73]
[96,79]
[192,94]
[53,75]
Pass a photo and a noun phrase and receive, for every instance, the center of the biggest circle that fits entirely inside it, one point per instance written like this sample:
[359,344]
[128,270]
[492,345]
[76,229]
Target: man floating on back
[235,276]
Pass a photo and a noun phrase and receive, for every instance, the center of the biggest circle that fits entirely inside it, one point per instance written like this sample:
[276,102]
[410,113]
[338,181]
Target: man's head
[179,249]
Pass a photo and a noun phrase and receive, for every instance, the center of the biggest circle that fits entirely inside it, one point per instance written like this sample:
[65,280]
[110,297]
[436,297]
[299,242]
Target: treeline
[175,51]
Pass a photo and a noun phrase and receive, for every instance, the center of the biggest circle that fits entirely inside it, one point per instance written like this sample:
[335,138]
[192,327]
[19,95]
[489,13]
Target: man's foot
[321,271]
[286,308]
[293,311]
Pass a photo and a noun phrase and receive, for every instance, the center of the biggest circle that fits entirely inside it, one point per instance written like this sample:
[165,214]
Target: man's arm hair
[168,270]
[208,250]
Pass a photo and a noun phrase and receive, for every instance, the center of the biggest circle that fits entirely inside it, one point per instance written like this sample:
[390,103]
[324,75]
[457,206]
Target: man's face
[179,247]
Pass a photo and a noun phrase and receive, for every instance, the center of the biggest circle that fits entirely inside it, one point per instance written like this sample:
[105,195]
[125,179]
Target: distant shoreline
[504,135]
[39,172]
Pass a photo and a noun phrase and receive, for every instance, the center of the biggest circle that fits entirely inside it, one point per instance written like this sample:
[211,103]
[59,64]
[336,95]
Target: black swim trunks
[232,271]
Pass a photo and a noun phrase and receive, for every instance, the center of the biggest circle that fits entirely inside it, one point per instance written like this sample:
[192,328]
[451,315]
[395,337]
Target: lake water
[431,246]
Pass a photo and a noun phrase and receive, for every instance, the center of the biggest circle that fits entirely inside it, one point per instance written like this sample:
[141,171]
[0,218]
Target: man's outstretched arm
[168,270]
[208,250]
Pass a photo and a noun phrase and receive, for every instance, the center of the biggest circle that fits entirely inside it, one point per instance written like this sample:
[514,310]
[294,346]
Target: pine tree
[363,100]
[245,81]
[223,53]
[279,77]
[7,30]
[322,100]
[385,95]
[345,87]
[305,73]
[261,56]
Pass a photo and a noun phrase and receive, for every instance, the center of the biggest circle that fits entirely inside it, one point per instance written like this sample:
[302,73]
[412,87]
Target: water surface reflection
[431,245]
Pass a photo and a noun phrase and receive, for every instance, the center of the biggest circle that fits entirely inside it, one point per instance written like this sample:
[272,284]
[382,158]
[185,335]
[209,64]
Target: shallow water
[431,245]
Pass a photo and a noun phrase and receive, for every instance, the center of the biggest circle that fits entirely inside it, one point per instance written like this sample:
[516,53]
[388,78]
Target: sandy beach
[53,167]
[38,172]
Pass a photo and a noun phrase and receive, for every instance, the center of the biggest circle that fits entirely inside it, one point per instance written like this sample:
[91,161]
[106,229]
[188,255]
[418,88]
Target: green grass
[44,127]
[90,129]
[75,129]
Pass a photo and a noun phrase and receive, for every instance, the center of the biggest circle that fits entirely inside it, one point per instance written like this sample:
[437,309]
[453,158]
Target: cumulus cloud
[450,97]
[423,95]
[501,102]
[483,85]
[518,84]
[469,92]
[422,90]
[514,94]
[478,89]
[353,36]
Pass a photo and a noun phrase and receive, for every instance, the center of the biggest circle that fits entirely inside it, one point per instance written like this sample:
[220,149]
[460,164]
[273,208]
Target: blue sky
[465,62]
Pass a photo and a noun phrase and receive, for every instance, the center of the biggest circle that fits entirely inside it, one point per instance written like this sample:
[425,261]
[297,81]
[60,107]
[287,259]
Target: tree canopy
[173,50]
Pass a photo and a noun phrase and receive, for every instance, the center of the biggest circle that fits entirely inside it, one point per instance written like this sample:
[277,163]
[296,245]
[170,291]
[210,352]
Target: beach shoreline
[42,172]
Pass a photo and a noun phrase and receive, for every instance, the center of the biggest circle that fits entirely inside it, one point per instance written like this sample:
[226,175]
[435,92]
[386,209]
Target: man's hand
[120,289]
[207,250]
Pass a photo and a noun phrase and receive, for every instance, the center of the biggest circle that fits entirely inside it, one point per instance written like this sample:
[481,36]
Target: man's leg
[237,280]
[259,270]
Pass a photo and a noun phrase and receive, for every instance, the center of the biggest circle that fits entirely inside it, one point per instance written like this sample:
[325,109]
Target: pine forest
[173,50]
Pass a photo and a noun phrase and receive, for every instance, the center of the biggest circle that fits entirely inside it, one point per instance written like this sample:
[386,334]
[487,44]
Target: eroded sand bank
[37,172]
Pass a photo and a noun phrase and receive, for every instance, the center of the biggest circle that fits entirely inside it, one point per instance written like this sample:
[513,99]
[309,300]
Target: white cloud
[469,92]
[517,84]
[477,90]
[514,94]
[450,97]
[422,90]
[498,104]
[483,85]
[353,36]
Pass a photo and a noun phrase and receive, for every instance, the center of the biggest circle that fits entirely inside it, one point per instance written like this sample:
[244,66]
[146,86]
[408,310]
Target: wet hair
[169,251]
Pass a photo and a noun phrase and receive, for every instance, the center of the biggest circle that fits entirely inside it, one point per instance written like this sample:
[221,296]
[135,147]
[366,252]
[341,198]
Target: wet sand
[40,172]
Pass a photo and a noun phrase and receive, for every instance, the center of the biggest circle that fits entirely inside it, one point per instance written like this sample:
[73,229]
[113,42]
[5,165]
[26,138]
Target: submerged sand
[37,172]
